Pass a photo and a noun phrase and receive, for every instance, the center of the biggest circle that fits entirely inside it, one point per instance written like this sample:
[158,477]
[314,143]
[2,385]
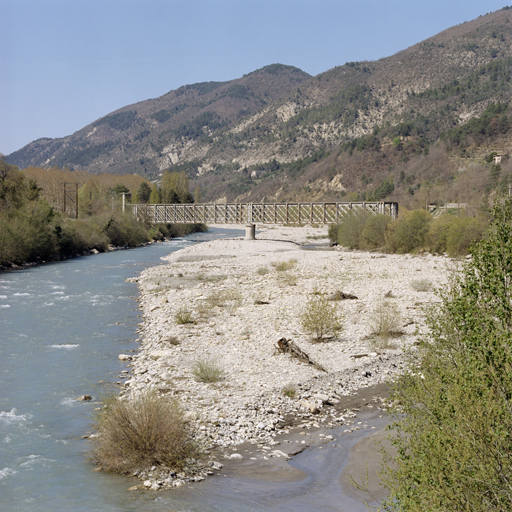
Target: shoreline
[241,305]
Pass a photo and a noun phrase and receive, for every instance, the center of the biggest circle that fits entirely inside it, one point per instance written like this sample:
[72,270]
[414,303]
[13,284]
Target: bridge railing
[261,213]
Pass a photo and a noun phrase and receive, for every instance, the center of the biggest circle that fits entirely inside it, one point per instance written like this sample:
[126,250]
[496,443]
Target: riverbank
[241,297]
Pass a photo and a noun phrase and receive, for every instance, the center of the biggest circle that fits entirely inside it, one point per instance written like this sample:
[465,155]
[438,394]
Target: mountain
[386,128]
[151,135]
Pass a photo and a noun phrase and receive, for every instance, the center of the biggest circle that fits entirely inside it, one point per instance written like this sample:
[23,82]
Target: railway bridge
[250,214]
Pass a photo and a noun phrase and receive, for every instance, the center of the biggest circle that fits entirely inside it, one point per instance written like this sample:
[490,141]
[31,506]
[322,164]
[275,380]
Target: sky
[66,63]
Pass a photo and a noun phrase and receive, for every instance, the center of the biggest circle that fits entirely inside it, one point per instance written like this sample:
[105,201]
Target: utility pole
[67,196]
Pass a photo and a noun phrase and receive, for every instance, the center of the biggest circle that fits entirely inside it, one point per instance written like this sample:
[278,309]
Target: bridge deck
[262,213]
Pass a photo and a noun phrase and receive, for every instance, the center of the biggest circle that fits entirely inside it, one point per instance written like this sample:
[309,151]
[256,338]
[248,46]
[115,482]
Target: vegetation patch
[321,318]
[137,434]
[283,266]
[207,370]
[183,317]
[290,391]
[386,323]
[453,405]
[421,285]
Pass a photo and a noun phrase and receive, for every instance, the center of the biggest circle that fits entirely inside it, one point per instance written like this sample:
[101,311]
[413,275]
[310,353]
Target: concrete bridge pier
[250,232]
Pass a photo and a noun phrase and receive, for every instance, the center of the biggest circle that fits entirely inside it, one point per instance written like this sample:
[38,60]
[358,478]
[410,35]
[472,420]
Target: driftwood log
[289,347]
[338,295]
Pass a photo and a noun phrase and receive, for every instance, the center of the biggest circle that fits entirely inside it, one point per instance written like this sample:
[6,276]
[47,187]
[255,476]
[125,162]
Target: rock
[236,456]
[132,488]
[191,416]
[148,483]
[279,453]
[124,357]
[158,354]
[323,398]
[216,465]
[311,407]
[84,398]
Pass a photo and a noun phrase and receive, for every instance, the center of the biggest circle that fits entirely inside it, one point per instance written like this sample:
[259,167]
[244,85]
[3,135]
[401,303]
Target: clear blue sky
[65,63]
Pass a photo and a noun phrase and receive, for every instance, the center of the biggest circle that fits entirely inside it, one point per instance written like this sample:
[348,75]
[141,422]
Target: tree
[155,197]
[454,405]
[143,193]
[175,188]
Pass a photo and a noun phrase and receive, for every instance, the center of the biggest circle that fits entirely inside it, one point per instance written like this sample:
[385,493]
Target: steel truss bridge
[257,213]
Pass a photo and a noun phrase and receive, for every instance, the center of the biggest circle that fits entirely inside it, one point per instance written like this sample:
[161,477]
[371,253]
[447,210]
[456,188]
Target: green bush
[462,234]
[137,434]
[373,235]
[321,318]
[453,406]
[437,237]
[409,232]
[125,230]
[455,235]
[351,228]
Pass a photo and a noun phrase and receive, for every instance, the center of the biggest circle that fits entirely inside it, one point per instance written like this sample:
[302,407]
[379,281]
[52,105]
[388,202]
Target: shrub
[453,405]
[332,233]
[321,318]
[373,235]
[183,317]
[455,235]
[351,228]
[409,232]
[386,321]
[290,391]
[136,434]
[283,266]
[262,271]
[207,370]
[437,235]
[421,285]
[462,234]
[287,279]
[125,230]
[231,297]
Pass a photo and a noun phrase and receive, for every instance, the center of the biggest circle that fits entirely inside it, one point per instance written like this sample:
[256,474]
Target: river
[62,326]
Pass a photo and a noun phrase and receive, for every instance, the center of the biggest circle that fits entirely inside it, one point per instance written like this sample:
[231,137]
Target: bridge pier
[250,232]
